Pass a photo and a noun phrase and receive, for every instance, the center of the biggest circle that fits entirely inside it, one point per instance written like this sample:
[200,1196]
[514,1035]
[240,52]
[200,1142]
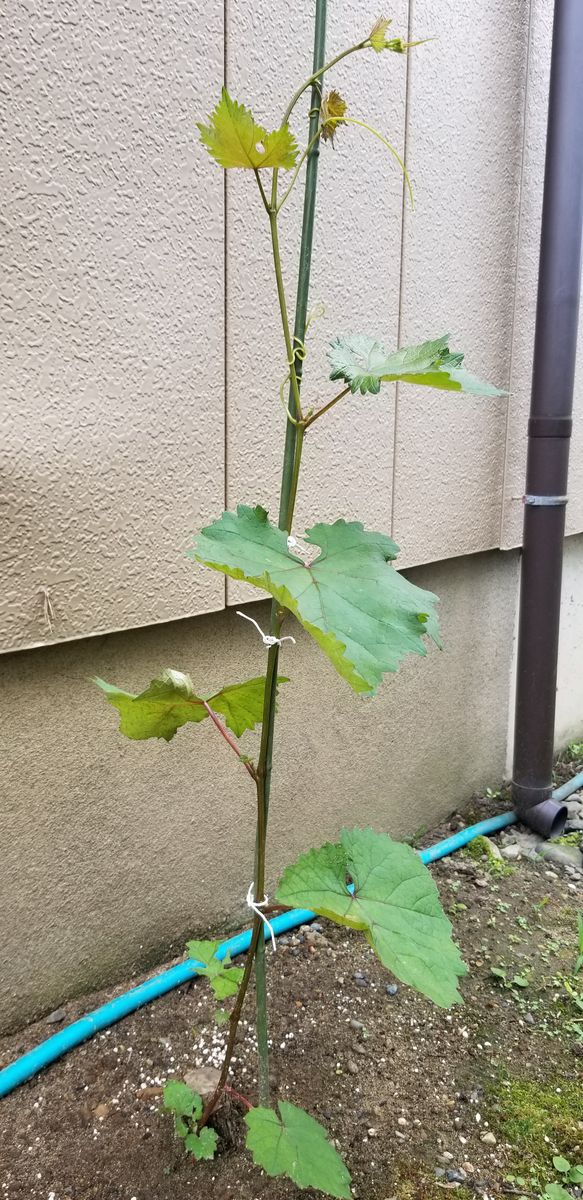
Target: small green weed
[515,981]
[579,961]
[574,752]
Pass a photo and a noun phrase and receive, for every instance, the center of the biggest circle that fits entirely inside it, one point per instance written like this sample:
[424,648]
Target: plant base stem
[261,1023]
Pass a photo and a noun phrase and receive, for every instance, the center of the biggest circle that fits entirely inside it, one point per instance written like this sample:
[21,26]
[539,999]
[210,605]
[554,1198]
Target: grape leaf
[364,615]
[395,902]
[332,110]
[170,702]
[223,978]
[234,139]
[186,1105]
[203,1144]
[364,364]
[294,1144]
[378,34]
[378,38]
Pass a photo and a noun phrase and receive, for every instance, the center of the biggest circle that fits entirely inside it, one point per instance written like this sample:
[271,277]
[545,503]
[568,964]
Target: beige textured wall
[114,850]
[569,722]
[135,409]
[523,320]
[464,146]
[111,315]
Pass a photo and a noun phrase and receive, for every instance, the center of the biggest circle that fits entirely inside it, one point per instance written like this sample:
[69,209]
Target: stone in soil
[574,807]
[565,856]
[203,1080]
[55,1017]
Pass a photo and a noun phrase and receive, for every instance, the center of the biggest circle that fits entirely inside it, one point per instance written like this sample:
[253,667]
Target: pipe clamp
[545,501]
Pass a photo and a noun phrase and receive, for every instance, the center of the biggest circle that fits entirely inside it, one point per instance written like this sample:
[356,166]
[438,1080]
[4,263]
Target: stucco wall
[569,722]
[114,850]
[140,352]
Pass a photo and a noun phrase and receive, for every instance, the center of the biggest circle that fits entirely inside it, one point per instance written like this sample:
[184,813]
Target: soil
[416,1098]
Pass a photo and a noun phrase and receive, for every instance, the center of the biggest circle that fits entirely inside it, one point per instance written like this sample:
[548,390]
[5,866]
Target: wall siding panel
[112,304]
[526,294]
[464,132]
[348,457]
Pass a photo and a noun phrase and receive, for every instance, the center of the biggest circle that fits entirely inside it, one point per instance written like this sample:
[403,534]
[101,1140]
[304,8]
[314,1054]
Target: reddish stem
[237,1096]
[230,741]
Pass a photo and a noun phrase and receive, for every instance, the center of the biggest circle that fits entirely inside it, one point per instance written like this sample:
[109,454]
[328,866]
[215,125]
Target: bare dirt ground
[420,1101]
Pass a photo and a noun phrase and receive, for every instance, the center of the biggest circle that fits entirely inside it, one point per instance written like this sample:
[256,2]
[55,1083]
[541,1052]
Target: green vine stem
[289,484]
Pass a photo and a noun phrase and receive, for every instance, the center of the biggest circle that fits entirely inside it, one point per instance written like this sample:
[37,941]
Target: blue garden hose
[101,1018]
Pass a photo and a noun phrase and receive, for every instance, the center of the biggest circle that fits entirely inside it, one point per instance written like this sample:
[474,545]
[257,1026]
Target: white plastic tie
[267,638]
[256,906]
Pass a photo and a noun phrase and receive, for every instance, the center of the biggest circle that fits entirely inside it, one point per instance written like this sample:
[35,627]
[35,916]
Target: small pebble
[55,1017]
[351,1067]
[488,1138]
[456,1176]
[391,989]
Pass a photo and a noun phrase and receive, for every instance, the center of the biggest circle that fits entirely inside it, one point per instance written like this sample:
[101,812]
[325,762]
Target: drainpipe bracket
[545,501]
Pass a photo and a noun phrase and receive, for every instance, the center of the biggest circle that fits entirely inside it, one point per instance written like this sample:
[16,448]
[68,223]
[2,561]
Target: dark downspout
[549,430]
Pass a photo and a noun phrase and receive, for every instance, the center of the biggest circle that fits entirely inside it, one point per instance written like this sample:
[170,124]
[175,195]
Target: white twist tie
[256,906]
[266,638]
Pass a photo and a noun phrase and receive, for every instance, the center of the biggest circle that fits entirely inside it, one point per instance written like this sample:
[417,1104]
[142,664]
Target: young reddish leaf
[332,110]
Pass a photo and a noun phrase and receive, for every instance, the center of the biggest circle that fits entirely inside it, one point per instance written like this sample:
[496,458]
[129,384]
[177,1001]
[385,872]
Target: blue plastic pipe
[73,1035]
[568,788]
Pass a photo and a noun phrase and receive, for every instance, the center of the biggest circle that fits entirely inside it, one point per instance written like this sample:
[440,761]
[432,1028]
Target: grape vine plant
[363,615]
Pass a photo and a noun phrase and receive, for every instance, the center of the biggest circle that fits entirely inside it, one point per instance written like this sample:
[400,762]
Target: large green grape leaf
[364,615]
[294,1144]
[363,364]
[395,901]
[223,978]
[233,138]
[170,701]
